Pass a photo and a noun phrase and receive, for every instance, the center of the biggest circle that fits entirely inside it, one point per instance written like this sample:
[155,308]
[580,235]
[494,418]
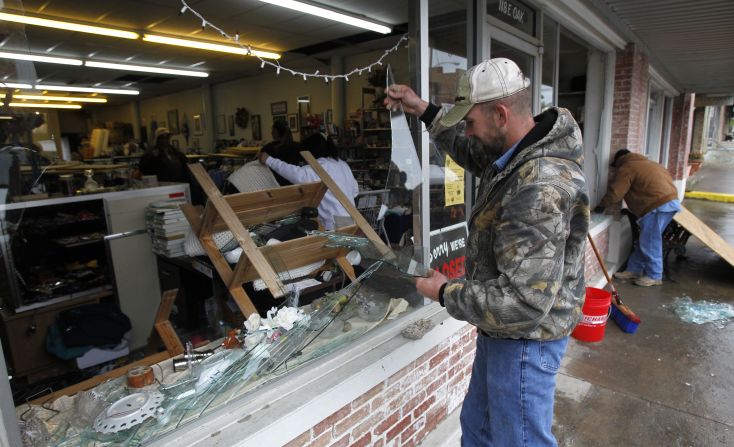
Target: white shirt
[338,170]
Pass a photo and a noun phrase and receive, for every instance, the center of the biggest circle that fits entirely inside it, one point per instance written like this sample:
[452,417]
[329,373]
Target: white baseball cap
[487,81]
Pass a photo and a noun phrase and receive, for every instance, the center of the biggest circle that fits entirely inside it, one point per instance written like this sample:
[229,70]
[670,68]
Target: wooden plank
[705,234]
[264,206]
[243,301]
[96,380]
[347,203]
[239,272]
[293,254]
[249,248]
[209,216]
[346,267]
[164,310]
[169,337]
[191,213]
[220,264]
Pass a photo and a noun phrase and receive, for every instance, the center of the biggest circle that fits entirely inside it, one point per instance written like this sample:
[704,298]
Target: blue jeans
[647,254]
[510,398]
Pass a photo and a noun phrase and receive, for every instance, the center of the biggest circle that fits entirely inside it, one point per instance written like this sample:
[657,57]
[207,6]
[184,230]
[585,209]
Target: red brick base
[405,408]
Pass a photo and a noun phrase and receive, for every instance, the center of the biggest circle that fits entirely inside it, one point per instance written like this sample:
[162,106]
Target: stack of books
[167,226]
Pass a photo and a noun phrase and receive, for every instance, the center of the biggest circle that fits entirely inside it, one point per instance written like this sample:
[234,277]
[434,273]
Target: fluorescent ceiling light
[14,85]
[69,26]
[330,14]
[146,69]
[59,98]
[37,58]
[45,106]
[208,46]
[68,88]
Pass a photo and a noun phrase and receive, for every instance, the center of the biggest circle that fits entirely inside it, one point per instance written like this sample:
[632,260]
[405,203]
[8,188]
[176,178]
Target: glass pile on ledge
[269,349]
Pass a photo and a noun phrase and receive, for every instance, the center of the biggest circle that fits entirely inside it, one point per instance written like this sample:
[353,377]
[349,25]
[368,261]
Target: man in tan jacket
[648,190]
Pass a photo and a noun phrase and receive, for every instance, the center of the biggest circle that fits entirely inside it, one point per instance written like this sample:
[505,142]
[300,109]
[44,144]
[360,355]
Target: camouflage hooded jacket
[527,233]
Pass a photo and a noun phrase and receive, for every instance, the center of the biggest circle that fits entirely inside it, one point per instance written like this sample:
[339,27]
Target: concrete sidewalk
[669,384]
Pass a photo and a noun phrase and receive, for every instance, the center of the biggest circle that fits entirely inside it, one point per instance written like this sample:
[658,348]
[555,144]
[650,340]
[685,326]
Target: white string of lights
[276,65]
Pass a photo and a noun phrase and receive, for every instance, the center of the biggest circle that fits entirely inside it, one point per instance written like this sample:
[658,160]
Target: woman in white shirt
[326,154]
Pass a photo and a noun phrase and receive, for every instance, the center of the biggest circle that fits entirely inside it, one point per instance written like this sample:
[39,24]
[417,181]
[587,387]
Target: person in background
[169,164]
[651,196]
[524,285]
[326,154]
[283,148]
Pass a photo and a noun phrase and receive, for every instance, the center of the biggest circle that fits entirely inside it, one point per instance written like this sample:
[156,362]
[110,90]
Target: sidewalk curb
[713,196]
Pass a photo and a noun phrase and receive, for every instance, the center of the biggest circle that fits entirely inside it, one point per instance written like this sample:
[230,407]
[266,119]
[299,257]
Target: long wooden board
[705,234]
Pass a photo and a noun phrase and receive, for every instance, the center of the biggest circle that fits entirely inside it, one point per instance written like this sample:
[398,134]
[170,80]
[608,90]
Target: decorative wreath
[242,117]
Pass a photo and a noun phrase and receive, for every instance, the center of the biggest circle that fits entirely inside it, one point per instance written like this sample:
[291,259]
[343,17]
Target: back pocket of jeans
[550,357]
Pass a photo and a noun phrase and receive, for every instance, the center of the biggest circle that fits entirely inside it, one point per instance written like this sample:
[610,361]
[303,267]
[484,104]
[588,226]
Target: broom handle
[601,263]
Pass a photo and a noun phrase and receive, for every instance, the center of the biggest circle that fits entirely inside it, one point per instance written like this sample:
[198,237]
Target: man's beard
[496,145]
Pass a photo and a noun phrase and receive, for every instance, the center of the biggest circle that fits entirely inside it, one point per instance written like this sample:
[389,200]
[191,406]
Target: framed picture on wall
[293,122]
[198,124]
[256,130]
[221,125]
[279,108]
[173,121]
[230,125]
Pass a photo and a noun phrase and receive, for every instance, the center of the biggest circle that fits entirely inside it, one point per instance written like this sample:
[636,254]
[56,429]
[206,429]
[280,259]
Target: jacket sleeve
[529,249]
[452,141]
[292,173]
[618,188]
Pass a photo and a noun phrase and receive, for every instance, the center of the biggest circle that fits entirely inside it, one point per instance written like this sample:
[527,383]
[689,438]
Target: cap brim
[456,114]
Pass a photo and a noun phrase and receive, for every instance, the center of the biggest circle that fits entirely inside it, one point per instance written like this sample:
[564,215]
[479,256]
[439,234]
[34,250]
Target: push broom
[621,313]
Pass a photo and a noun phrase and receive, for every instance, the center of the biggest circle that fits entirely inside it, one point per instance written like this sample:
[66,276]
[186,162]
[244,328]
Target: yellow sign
[453,182]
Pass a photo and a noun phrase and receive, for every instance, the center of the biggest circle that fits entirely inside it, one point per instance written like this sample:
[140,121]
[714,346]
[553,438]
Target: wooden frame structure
[234,211]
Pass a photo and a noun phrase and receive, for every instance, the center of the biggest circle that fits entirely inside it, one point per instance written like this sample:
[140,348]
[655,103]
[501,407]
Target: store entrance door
[523,53]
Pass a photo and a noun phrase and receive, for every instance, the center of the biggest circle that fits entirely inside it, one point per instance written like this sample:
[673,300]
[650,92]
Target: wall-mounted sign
[513,12]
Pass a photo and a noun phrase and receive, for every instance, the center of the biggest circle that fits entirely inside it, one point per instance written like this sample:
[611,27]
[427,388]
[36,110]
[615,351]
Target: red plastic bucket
[596,313]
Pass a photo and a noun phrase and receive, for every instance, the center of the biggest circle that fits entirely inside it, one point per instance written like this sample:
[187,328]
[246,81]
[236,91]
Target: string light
[277,66]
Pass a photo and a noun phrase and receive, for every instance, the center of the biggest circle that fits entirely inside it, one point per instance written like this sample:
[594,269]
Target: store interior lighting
[188,43]
[68,26]
[59,98]
[330,14]
[146,69]
[45,106]
[14,85]
[68,88]
[39,58]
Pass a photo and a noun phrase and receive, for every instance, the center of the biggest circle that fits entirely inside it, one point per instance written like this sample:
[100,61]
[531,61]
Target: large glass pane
[447,39]
[550,45]
[449,60]
[572,65]
[523,60]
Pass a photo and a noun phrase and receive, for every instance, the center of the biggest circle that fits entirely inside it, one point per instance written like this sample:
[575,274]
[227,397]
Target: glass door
[525,54]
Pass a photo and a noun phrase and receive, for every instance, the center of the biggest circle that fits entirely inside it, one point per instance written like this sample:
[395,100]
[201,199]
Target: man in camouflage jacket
[524,284]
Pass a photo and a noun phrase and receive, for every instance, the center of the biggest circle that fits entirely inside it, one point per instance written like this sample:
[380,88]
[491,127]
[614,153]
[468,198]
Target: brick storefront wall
[630,99]
[680,135]
[403,409]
